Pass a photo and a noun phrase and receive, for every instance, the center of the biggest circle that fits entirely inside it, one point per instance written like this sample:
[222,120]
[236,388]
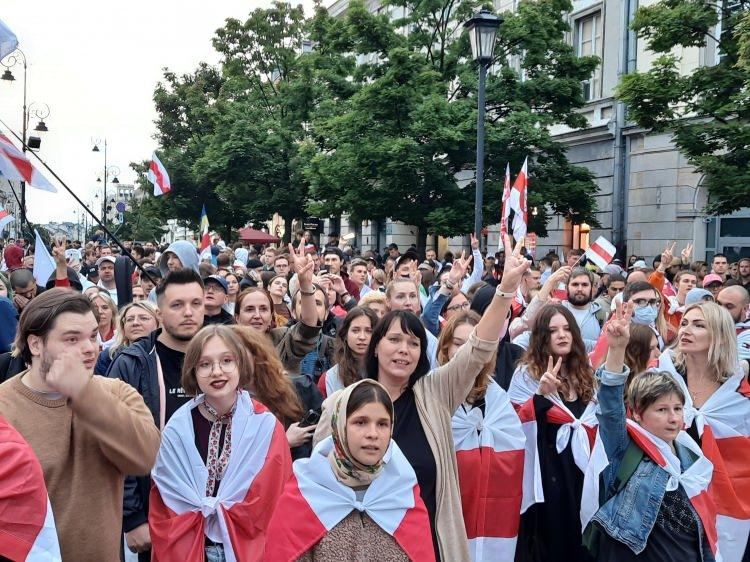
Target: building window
[589,42]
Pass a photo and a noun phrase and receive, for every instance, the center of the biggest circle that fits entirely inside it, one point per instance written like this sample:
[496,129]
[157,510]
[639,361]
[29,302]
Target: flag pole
[82,204]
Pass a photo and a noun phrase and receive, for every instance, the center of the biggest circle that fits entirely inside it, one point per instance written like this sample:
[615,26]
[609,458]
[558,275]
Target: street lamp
[482,30]
[15,58]
[114,171]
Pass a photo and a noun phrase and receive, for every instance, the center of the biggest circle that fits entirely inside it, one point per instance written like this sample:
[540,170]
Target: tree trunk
[421,241]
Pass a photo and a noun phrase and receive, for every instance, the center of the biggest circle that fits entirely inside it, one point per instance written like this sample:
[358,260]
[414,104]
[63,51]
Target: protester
[656,472]
[613,286]
[277,287]
[106,316]
[647,303]
[334,261]
[153,366]
[357,494]
[559,414]
[743,273]
[223,461]
[233,289]
[736,301]
[375,301]
[486,433]
[135,320]
[717,410]
[713,283]
[215,295]
[179,255]
[106,267]
[24,287]
[642,351]
[351,348]
[424,401]
[719,267]
[88,432]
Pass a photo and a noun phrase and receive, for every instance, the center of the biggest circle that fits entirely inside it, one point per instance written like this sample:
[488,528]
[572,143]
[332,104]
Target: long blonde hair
[722,349]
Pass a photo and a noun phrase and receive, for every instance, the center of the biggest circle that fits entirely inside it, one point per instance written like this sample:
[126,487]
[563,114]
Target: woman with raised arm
[424,405]
[554,389]
[654,503]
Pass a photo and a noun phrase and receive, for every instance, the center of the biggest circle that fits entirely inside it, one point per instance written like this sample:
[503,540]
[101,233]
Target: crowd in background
[277,403]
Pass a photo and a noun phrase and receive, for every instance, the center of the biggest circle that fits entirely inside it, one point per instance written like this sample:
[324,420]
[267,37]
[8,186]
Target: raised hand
[686,254]
[459,268]
[549,383]
[474,242]
[58,251]
[303,266]
[515,266]
[618,326]
[68,374]
[667,255]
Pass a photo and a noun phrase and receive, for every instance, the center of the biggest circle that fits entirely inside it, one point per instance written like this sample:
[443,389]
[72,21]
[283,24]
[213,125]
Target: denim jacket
[628,516]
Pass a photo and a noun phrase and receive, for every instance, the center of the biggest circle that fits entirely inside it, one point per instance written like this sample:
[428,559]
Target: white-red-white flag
[505,213]
[16,167]
[517,201]
[5,218]
[601,252]
[157,174]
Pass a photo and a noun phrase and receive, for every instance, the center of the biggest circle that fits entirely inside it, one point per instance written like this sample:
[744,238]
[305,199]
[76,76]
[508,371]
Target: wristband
[448,284]
[503,295]
[307,293]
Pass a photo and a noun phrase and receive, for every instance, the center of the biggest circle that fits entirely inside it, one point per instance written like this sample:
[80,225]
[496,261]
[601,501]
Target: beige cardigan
[438,395]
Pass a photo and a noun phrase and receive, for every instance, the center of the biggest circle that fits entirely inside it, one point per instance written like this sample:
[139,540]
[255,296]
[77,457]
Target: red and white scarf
[579,432]
[490,455]
[27,526]
[723,424]
[180,512]
[314,502]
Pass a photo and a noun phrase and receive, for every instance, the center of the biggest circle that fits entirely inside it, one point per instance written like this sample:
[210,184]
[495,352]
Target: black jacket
[136,365]
[10,366]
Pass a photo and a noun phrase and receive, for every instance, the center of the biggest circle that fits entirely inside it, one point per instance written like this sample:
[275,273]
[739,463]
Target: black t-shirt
[409,435]
[222,318]
[171,365]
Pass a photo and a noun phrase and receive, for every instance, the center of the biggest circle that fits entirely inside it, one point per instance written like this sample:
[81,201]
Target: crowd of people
[303,403]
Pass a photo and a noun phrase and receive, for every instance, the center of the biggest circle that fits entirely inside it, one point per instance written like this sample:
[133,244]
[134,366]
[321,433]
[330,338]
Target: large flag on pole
[205,248]
[601,252]
[44,265]
[5,218]
[15,166]
[506,208]
[157,174]
[8,40]
[517,201]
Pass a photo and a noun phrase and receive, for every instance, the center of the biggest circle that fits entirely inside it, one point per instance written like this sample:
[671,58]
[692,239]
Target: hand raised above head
[514,267]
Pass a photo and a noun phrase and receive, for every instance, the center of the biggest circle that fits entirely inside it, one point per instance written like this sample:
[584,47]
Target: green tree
[708,110]
[394,148]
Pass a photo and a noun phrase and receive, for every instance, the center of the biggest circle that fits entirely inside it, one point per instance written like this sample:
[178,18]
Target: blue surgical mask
[645,315]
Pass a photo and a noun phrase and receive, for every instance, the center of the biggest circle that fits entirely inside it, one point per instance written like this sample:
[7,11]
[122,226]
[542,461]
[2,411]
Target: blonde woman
[106,313]
[136,320]
[375,301]
[717,413]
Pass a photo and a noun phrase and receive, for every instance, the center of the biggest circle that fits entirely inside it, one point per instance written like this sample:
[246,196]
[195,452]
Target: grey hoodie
[185,251]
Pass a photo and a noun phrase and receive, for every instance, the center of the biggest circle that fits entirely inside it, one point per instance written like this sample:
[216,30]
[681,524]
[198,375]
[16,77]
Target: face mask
[645,315]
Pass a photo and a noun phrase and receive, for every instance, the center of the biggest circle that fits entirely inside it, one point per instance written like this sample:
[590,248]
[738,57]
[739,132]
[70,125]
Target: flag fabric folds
[157,175]
[205,247]
[490,455]
[5,218]
[505,209]
[16,167]
[517,201]
[44,264]
[601,252]
[27,525]
[314,502]
[8,40]
[180,514]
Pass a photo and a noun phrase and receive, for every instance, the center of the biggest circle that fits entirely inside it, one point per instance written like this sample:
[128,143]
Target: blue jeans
[215,554]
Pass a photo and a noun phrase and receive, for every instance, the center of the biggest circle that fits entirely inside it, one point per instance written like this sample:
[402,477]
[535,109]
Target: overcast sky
[96,65]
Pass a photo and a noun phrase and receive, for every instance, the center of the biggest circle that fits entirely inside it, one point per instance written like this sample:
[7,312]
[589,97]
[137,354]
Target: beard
[46,365]
[579,300]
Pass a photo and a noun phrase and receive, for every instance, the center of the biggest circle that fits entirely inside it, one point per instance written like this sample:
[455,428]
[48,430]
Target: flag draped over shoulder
[27,525]
[180,514]
[490,456]
[16,167]
[157,175]
[314,502]
[723,424]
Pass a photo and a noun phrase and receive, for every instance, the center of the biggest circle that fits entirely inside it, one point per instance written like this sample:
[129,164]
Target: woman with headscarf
[356,494]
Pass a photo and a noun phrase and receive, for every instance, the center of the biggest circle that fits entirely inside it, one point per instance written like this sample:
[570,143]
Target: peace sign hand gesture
[667,255]
[618,327]
[459,268]
[686,253]
[549,383]
[515,266]
[58,251]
